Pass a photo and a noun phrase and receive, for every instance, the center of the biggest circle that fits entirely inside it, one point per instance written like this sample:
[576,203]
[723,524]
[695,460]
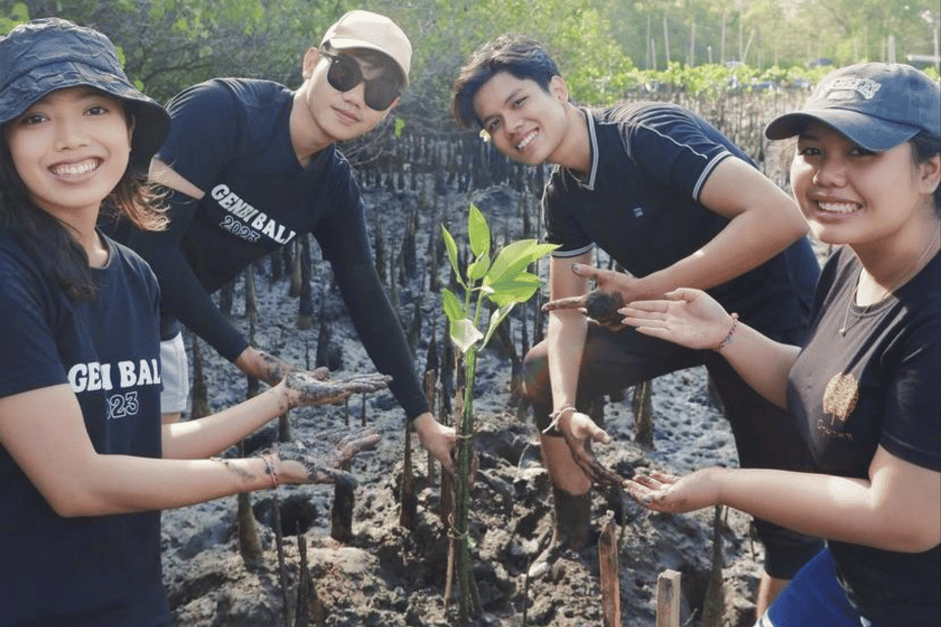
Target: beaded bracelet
[728,338]
[269,462]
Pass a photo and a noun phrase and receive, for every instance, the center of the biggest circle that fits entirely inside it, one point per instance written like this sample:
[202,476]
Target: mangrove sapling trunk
[249,542]
[200,393]
[505,282]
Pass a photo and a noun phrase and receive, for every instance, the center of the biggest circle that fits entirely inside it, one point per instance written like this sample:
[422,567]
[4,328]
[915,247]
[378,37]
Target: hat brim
[347,43]
[152,122]
[869,132]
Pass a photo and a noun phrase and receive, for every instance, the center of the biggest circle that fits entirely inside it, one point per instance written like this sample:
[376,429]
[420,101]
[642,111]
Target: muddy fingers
[328,454]
[309,389]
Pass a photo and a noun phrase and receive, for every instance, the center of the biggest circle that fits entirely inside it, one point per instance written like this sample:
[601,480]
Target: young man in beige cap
[251,165]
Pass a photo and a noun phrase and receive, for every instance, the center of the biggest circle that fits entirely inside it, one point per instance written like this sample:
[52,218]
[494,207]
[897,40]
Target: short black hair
[518,55]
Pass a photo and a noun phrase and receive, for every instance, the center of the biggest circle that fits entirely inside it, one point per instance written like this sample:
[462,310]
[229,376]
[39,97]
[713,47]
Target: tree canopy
[604,47]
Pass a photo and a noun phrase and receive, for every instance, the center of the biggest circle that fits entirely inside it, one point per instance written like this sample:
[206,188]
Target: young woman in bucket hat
[85,465]
[864,388]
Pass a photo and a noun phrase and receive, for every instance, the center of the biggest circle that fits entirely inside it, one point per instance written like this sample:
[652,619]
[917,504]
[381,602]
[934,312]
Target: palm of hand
[309,389]
[327,455]
[578,436]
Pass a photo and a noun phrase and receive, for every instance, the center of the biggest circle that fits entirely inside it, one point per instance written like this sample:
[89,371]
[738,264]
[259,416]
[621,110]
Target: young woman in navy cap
[864,389]
[85,465]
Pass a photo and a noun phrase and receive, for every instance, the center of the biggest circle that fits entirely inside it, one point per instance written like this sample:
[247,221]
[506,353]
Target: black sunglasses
[344,74]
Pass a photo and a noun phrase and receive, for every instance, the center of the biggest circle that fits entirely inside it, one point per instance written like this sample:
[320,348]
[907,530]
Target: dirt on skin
[388,576]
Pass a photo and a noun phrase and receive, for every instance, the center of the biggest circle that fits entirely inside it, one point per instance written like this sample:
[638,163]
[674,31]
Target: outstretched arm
[763,221]
[898,508]
[182,295]
[694,319]
[44,431]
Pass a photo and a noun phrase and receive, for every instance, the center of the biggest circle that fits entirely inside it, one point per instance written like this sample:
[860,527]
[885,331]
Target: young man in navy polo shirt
[676,204]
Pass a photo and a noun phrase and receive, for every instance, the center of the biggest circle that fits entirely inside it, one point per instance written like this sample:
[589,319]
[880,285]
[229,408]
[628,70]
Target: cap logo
[850,88]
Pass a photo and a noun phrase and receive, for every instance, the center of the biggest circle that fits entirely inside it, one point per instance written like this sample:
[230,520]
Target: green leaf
[464,334]
[478,232]
[495,319]
[451,304]
[478,269]
[514,258]
[515,290]
[451,247]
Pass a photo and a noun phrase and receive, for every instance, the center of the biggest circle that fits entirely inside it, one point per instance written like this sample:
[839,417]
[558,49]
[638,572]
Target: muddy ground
[387,576]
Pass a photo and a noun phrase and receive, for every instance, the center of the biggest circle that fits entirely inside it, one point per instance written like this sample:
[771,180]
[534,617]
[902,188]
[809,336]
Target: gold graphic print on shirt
[839,400]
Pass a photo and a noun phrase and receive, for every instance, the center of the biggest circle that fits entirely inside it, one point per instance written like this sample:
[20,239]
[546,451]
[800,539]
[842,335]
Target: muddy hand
[307,389]
[663,492]
[272,368]
[579,432]
[327,455]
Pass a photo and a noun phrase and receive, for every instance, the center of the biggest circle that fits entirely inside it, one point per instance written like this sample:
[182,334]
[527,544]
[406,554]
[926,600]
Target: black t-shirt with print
[231,138]
[96,570]
[640,204]
[877,385]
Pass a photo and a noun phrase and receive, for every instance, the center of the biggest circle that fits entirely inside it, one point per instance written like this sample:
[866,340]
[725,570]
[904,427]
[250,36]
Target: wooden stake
[668,599]
[610,580]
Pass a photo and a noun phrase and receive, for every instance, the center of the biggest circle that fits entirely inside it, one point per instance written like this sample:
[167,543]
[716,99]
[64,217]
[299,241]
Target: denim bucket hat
[876,105]
[47,54]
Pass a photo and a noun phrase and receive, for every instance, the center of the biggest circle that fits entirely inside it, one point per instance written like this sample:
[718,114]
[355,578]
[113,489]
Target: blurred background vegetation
[607,49]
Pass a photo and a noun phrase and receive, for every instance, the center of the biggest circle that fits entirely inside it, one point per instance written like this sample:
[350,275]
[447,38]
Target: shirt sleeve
[562,229]
[202,139]
[912,427]
[29,359]
[183,296]
[673,148]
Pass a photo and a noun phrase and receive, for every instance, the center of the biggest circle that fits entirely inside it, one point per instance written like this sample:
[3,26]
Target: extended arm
[694,319]
[897,509]
[44,432]
[763,221]
[381,333]
[183,296]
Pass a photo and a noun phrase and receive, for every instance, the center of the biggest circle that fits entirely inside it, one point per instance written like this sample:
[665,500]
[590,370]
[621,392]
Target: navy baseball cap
[47,54]
[876,105]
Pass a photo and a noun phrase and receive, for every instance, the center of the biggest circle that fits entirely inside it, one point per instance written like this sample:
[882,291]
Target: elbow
[71,505]
[914,535]
[74,501]
[917,542]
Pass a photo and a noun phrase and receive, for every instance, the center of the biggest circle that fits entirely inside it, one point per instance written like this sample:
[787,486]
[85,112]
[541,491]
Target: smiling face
[324,115]
[850,195]
[70,149]
[525,122]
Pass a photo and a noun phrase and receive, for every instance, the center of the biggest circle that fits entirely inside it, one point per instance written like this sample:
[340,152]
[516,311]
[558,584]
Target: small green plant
[503,282]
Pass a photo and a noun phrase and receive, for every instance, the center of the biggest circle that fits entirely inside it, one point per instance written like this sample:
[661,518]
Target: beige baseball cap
[365,29]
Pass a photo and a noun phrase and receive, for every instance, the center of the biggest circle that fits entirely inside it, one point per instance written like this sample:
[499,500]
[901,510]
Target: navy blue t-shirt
[875,385]
[99,570]
[640,204]
[231,138]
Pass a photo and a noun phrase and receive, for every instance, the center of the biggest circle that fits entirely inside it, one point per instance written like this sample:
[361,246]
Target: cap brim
[346,43]
[152,122]
[866,131]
